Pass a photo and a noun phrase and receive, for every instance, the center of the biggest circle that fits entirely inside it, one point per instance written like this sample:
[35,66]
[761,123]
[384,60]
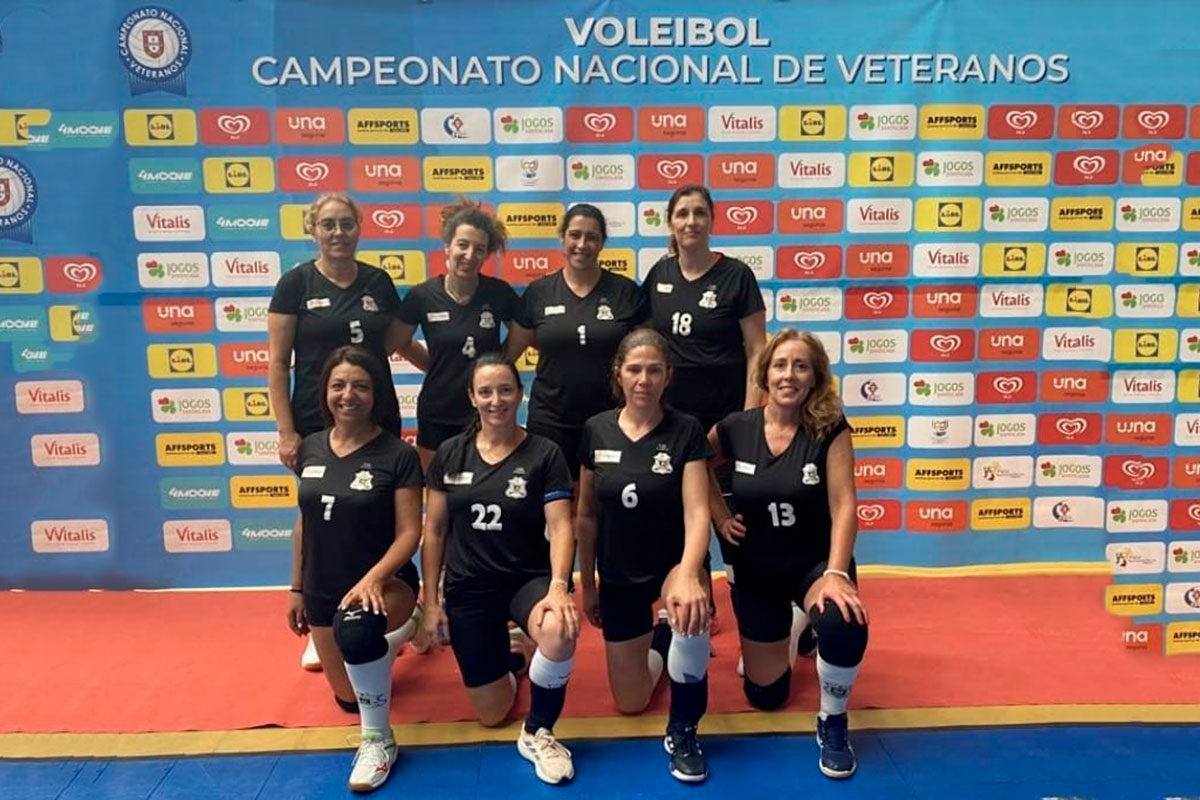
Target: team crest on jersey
[363,481]
[516,487]
[709,298]
[810,476]
[604,312]
[486,319]
[662,464]
[468,348]
[368,303]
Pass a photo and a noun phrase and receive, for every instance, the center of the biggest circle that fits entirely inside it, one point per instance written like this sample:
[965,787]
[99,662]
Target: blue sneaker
[833,737]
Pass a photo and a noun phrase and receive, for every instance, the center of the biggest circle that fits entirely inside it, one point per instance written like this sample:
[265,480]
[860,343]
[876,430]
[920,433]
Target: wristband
[563,581]
[841,572]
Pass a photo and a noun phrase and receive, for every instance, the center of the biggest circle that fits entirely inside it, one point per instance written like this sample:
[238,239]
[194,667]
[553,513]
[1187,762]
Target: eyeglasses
[348,225]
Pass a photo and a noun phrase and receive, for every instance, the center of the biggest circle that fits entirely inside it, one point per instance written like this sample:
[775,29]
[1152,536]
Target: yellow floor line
[279,740]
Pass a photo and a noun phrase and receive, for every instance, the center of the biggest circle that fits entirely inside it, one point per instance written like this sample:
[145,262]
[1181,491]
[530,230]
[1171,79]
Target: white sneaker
[309,660]
[550,759]
[372,763]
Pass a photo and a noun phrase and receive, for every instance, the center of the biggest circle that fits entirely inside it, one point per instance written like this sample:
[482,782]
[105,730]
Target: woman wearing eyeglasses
[317,307]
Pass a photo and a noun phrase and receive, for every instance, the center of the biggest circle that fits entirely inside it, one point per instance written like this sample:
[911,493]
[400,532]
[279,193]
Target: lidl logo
[192,360]
[812,123]
[161,127]
[247,405]
[21,275]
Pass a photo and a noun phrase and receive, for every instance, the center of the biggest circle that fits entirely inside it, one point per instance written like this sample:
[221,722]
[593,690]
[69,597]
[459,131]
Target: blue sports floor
[1099,762]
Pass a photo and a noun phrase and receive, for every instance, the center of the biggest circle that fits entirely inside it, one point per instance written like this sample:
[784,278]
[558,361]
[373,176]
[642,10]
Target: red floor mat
[126,662]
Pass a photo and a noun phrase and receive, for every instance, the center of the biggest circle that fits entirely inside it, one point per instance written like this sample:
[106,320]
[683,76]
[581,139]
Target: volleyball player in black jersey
[320,305]
[576,317]
[494,493]
[460,314]
[791,539]
[353,580]
[642,519]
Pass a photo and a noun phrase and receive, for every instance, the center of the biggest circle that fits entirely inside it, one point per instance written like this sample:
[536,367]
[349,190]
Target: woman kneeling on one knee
[353,581]
[792,536]
[495,491]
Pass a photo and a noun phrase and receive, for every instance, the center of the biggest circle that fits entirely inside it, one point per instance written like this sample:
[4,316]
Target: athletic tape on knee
[360,635]
[687,658]
[839,642]
[550,674]
[771,696]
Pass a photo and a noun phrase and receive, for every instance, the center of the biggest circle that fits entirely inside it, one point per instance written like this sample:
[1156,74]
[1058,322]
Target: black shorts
[763,606]
[430,435]
[567,440]
[478,613]
[319,609]
[627,609]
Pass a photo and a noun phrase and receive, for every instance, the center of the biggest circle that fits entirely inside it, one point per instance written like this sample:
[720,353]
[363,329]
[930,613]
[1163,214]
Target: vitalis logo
[156,47]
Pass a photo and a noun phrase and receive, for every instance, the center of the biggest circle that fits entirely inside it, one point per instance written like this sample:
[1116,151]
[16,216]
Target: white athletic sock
[836,683]
[799,625]
[398,637]
[550,674]
[372,684]
[687,659]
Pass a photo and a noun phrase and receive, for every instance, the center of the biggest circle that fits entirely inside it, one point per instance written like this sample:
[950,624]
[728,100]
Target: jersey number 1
[482,512]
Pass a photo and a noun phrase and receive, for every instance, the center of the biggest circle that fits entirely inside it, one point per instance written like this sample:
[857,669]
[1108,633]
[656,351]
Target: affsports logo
[155,47]
[18,200]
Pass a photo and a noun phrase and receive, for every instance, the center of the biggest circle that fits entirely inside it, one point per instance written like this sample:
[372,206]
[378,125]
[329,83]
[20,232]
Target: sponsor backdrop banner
[988,213]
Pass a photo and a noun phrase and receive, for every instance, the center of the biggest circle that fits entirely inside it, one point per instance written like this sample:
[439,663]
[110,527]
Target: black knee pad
[359,635]
[839,642]
[769,698]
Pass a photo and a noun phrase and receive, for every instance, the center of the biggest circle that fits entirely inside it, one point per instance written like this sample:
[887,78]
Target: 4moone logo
[197,535]
[189,449]
[160,127]
[164,175]
[185,405]
[263,532]
[183,360]
[70,535]
[262,491]
[242,222]
[22,323]
[65,449]
[177,494]
[49,397]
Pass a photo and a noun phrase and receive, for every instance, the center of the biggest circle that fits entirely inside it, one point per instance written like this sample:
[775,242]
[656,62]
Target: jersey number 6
[629,495]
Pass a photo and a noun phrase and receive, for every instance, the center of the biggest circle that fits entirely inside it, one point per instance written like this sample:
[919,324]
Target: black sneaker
[833,737]
[687,759]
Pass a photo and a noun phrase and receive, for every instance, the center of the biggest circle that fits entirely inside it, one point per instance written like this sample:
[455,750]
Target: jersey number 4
[482,512]
[782,515]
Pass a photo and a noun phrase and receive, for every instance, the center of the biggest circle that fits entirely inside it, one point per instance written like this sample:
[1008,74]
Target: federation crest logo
[809,475]
[516,487]
[709,298]
[486,319]
[363,482]
[662,464]
[368,303]
[453,126]
[155,47]
[604,312]
[18,200]
[1062,511]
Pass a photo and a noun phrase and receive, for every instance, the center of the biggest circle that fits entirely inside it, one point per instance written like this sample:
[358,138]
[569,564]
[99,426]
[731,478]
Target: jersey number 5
[356,333]
[482,512]
[782,515]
